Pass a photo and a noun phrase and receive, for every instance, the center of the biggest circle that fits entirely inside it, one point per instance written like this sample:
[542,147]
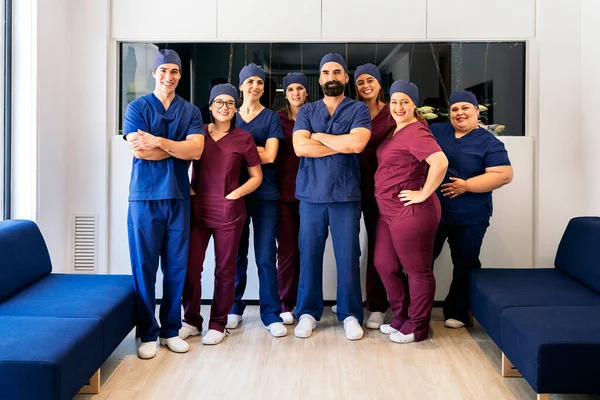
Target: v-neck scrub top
[176,123]
[382,125]
[217,174]
[264,126]
[468,157]
[401,159]
[334,178]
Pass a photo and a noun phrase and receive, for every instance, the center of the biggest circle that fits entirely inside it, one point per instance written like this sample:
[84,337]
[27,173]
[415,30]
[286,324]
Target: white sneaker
[213,336]
[334,308]
[306,324]
[287,317]
[387,329]
[454,323]
[188,330]
[375,320]
[175,344]
[277,329]
[353,329]
[146,350]
[233,320]
[399,337]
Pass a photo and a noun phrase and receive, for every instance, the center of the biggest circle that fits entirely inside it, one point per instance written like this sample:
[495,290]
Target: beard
[333,88]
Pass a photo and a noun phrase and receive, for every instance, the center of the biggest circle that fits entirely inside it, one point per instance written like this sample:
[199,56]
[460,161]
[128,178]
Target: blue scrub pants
[465,245]
[158,229]
[344,220]
[265,217]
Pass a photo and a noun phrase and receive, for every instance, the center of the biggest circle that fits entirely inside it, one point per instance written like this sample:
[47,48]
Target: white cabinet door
[177,20]
[354,20]
[269,20]
[492,19]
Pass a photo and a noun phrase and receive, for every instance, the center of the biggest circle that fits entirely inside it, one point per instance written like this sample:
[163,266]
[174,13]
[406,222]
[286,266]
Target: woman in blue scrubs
[262,206]
[368,90]
[295,87]
[478,164]
[218,210]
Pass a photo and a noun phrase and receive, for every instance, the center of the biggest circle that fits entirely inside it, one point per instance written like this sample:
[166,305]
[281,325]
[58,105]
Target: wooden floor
[250,364]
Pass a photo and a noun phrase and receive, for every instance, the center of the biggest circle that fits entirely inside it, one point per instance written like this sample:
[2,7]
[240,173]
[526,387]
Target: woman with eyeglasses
[262,206]
[218,210]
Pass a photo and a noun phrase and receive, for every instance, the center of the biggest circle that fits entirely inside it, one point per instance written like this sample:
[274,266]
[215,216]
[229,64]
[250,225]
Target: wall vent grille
[85,243]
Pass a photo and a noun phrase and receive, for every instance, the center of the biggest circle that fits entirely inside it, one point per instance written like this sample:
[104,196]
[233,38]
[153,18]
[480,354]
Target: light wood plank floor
[250,364]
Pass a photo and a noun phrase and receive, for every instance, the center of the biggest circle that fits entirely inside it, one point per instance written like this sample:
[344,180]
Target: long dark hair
[288,108]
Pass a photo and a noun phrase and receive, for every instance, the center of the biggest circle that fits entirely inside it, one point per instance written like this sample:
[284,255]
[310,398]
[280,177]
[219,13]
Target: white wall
[590,90]
[560,187]
[72,175]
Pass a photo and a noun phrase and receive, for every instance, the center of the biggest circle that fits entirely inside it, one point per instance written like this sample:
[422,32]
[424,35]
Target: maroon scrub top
[217,174]
[287,161]
[401,166]
[382,125]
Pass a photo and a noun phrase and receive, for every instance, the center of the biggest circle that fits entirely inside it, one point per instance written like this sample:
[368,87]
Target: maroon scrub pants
[374,289]
[403,258]
[288,255]
[226,239]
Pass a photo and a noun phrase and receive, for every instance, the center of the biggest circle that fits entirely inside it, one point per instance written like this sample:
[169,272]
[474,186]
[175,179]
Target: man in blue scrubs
[163,132]
[328,136]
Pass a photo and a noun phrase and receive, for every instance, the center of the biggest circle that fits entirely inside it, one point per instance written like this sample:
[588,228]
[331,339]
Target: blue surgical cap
[224,88]
[369,69]
[294,77]
[333,57]
[465,96]
[252,70]
[166,56]
[406,87]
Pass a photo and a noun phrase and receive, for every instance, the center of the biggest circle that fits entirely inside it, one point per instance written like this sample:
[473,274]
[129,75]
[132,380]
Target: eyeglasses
[219,103]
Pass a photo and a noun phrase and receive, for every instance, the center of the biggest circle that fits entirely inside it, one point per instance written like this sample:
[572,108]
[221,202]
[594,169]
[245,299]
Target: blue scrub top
[334,178]
[168,178]
[468,156]
[266,125]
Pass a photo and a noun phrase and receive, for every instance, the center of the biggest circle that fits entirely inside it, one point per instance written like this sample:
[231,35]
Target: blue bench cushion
[24,256]
[106,298]
[578,253]
[493,290]
[47,358]
[555,348]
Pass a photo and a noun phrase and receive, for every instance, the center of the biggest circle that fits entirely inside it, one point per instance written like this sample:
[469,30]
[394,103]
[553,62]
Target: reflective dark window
[494,71]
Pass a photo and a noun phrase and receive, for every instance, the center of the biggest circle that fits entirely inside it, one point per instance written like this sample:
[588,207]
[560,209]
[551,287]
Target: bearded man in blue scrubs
[163,132]
[328,137]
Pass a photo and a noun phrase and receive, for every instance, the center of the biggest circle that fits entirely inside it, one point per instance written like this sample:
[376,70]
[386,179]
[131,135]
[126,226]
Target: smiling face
[402,108]
[296,94]
[367,87]
[253,88]
[167,78]
[223,108]
[464,116]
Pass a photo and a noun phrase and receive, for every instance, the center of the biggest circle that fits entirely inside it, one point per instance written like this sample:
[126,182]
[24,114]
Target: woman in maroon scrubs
[368,90]
[295,87]
[218,210]
[411,167]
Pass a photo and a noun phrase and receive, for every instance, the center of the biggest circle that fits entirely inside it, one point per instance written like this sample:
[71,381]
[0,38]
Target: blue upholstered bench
[56,329]
[547,321]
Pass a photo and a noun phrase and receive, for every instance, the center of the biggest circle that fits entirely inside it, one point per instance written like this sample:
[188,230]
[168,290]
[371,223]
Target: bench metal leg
[543,396]
[508,369]
[93,386]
